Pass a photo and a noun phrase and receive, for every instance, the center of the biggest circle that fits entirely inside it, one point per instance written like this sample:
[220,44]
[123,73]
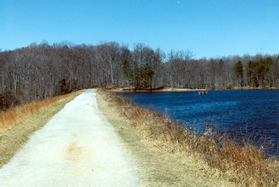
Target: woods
[41,70]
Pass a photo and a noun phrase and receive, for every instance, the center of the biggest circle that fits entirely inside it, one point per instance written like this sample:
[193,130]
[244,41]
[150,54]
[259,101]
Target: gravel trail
[77,147]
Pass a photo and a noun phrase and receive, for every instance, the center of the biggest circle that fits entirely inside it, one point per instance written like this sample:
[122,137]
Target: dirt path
[78,147]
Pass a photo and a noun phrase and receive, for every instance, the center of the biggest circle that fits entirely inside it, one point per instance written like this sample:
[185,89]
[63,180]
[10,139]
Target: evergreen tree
[7,99]
[63,86]
[147,76]
[128,72]
[238,69]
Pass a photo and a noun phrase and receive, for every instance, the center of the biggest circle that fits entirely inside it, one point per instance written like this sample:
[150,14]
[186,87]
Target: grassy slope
[155,166]
[18,124]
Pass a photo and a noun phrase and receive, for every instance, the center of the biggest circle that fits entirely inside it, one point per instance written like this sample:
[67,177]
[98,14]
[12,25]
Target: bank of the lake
[249,114]
[159,164]
[146,132]
[176,89]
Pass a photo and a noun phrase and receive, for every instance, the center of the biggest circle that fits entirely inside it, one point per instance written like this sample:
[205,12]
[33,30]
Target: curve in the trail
[77,147]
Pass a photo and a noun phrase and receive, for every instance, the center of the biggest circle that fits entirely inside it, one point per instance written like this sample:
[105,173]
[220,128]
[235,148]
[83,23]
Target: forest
[40,71]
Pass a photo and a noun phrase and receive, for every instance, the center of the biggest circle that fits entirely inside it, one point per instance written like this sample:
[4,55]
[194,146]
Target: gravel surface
[77,147]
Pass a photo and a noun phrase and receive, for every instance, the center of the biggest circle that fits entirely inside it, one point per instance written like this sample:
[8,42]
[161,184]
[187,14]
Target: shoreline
[244,165]
[160,163]
[167,89]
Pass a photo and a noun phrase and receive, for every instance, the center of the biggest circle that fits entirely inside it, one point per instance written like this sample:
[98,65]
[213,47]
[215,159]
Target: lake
[252,115]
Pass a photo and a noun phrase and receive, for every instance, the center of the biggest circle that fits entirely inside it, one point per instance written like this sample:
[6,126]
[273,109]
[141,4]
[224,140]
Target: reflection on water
[249,114]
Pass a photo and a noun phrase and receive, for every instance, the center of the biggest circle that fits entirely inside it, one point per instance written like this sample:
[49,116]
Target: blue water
[251,115]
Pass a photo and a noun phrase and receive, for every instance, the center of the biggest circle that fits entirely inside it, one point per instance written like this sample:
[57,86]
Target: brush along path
[19,123]
[77,147]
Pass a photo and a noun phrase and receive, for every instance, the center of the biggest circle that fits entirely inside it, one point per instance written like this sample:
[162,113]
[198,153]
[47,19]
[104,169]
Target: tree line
[39,71]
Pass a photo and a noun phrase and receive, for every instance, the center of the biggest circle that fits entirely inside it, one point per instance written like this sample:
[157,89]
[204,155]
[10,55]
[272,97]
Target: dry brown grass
[246,164]
[17,124]
[15,115]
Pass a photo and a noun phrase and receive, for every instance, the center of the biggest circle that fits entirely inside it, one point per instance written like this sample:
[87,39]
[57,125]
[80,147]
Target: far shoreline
[169,89]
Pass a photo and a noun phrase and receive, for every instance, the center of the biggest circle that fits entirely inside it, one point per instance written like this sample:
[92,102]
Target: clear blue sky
[209,28]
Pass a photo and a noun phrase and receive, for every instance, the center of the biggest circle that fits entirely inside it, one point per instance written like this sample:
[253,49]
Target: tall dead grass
[245,164]
[15,115]
[17,124]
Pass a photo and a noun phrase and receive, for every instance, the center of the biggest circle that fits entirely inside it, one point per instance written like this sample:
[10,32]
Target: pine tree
[238,69]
